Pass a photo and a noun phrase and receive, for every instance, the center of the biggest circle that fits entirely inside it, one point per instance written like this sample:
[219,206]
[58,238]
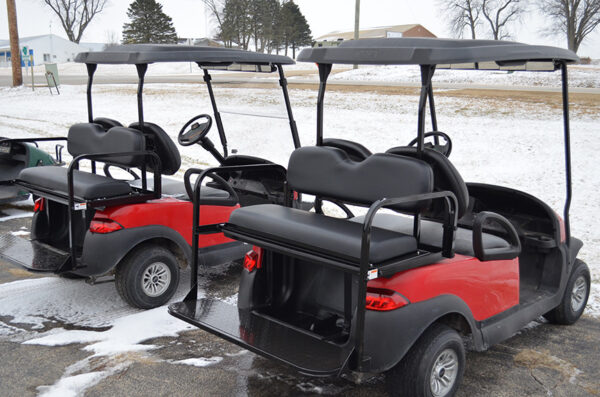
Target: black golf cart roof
[429,51]
[150,53]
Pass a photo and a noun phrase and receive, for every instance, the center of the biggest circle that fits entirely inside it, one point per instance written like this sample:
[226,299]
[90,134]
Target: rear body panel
[488,288]
[172,213]
[167,220]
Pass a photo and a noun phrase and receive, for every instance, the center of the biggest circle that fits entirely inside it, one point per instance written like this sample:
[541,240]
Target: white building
[48,48]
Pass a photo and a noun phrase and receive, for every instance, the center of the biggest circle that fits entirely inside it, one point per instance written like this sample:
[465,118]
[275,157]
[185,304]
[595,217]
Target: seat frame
[75,203]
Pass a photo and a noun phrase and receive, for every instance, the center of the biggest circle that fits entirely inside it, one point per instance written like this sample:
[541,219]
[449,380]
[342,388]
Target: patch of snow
[20,233]
[200,362]
[72,386]
[125,334]
[13,213]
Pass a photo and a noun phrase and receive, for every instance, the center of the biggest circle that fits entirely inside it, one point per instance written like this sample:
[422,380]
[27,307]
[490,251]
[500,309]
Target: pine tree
[295,30]
[149,24]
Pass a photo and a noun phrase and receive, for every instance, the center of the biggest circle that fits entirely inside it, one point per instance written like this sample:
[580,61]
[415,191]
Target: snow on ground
[200,362]
[512,143]
[585,76]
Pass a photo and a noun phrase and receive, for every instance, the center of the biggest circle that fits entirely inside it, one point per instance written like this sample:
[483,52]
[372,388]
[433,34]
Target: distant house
[413,30]
[201,42]
[47,48]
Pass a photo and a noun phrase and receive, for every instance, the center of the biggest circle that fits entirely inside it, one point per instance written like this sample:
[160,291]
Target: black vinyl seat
[86,185]
[335,236]
[89,138]
[431,233]
[330,172]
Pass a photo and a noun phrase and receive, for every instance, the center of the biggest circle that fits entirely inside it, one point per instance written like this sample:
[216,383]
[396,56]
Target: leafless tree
[111,38]
[575,18]
[76,15]
[462,14]
[499,14]
[216,9]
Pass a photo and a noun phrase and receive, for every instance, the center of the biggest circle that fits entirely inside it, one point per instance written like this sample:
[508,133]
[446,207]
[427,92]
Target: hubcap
[444,373]
[156,279]
[578,294]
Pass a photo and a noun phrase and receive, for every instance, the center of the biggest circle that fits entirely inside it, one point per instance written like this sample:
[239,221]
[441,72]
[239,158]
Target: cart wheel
[147,277]
[573,303]
[433,367]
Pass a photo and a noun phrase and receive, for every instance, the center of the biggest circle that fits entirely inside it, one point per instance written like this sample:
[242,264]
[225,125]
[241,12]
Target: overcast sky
[35,18]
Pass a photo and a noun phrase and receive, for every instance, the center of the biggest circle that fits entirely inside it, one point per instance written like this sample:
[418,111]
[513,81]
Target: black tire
[565,313]
[136,265]
[412,376]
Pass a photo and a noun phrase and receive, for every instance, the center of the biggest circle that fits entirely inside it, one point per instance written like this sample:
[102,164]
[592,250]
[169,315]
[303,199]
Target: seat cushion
[86,185]
[431,233]
[176,188]
[334,236]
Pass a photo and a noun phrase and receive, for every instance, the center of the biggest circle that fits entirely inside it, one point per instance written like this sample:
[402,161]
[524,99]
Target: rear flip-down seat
[329,172]
[336,237]
[89,139]
[86,186]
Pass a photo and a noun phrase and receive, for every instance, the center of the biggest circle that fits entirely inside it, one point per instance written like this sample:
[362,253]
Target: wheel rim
[578,293]
[156,279]
[444,373]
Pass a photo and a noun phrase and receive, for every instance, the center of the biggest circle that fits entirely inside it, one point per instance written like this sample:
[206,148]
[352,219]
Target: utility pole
[15,52]
[356,23]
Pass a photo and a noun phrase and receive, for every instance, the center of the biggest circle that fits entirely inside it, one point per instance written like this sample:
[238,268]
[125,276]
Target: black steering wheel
[197,131]
[444,149]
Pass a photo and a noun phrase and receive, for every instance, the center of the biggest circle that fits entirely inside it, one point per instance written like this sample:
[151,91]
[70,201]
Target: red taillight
[253,259]
[39,205]
[384,299]
[104,226]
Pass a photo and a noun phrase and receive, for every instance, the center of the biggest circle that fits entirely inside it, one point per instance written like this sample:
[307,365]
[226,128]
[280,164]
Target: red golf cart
[399,291]
[88,225]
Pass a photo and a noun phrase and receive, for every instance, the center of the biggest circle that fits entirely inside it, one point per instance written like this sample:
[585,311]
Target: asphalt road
[542,360]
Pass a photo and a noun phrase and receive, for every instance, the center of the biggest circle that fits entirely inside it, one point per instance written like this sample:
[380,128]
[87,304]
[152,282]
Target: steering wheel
[197,131]
[444,149]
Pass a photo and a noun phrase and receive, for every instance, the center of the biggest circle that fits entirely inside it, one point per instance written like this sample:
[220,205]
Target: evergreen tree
[295,30]
[149,24]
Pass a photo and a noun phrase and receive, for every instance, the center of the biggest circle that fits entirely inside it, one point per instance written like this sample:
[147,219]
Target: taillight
[39,205]
[253,259]
[104,226]
[384,299]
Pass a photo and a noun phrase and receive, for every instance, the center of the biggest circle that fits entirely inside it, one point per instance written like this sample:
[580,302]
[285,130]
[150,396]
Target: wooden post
[15,51]
[356,23]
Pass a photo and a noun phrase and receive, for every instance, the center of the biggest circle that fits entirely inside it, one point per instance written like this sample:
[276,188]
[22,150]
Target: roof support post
[288,107]
[324,70]
[213,102]
[426,75]
[432,114]
[91,69]
[141,71]
[567,133]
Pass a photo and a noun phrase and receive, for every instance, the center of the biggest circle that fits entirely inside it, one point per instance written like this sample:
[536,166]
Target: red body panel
[172,213]
[488,288]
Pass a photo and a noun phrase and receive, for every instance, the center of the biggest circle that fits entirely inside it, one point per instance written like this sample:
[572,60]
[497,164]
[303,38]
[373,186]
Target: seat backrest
[355,150]
[107,123]
[90,138]
[329,172]
[158,141]
[445,176]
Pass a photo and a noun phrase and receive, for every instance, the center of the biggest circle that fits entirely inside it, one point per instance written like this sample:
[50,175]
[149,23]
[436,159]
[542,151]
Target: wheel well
[168,244]
[456,321]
